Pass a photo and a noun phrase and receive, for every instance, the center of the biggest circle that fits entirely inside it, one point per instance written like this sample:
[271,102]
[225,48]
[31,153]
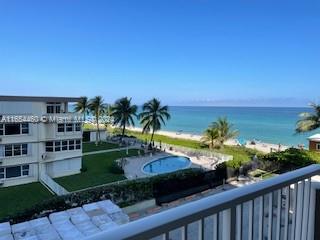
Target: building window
[71,144]
[64,145]
[61,127]
[78,144]
[58,108]
[12,129]
[53,107]
[24,149]
[57,146]
[15,150]
[25,170]
[50,109]
[78,127]
[12,172]
[49,146]
[318,146]
[1,173]
[69,127]
[8,150]
[24,128]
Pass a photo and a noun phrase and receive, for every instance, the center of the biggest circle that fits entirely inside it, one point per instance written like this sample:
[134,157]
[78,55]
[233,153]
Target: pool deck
[133,166]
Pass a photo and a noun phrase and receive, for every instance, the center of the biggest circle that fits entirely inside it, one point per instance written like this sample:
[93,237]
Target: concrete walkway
[111,150]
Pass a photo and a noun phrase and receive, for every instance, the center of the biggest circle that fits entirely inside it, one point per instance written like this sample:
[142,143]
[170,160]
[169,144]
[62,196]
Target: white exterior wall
[103,135]
[56,164]
[64,167]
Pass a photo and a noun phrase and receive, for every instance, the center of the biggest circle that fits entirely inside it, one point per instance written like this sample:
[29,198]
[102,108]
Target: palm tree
[219,132]
[97,107]
[123,112]
[153,115]
[82,107]
[210,136]
[309,121]
[107,114]
[225,131]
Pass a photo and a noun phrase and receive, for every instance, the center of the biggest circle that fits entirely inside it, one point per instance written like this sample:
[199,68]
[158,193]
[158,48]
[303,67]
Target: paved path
[111,150]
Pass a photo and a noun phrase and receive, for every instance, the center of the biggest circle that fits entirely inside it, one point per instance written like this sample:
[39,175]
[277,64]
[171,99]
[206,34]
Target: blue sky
[186,52]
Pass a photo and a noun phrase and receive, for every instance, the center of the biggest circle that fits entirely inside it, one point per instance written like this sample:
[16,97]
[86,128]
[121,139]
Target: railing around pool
[282,207]
[195,152]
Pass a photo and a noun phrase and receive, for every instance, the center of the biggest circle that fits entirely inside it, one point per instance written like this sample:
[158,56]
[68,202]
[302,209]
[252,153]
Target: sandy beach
[260,146]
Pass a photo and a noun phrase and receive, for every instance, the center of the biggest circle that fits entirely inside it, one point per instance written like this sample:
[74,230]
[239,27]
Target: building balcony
[283,207]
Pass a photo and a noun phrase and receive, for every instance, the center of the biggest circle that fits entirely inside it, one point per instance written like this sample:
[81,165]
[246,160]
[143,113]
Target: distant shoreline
[260,146]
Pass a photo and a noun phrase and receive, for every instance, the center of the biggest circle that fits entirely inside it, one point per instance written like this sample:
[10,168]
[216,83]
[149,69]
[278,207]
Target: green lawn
[165,139]
[98,171]
[18,198]
[91,147]
[240,154]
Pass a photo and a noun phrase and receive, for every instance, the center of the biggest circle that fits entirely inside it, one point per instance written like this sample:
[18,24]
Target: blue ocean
[268,124]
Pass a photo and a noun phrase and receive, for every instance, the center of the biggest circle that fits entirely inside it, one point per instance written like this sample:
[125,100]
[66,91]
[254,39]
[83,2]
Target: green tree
[123,112]
[210,136]
[108,115]
[82,107]
[153,115]
[97,107]
[309,121]
[225,130]
[219,132]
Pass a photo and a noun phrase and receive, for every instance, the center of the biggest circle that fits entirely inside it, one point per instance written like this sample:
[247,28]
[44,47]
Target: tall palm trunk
[98,131]
[123,131]
[152,135]
[84,118]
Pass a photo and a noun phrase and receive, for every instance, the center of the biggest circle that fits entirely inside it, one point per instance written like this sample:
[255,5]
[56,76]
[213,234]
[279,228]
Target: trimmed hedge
[128,192]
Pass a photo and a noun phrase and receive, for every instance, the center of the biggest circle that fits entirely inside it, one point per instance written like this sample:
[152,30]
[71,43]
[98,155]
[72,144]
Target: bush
[115,168]
[84,169]
[289,159]
[126,193]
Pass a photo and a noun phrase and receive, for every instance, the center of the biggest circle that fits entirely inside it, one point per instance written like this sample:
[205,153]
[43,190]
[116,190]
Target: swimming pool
[166,165]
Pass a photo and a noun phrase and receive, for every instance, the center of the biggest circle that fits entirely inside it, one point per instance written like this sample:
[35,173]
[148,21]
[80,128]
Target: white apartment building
[38,136]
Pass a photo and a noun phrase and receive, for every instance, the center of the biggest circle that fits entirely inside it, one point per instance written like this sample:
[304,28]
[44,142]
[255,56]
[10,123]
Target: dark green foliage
[289,159]
[115,168]
[125,193]
[83,169]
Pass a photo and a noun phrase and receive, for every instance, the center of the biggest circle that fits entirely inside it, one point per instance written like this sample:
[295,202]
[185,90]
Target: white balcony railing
[282,207]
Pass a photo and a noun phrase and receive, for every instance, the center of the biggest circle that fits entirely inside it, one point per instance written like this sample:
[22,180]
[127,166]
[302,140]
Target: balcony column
[314,217]
[229,224]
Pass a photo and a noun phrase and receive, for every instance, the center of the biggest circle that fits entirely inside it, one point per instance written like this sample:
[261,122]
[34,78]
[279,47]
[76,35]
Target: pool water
[167,164]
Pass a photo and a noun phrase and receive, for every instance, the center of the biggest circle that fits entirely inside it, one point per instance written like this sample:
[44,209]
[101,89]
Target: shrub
[115,168]
[289,159]
[84,169]
[126,193]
